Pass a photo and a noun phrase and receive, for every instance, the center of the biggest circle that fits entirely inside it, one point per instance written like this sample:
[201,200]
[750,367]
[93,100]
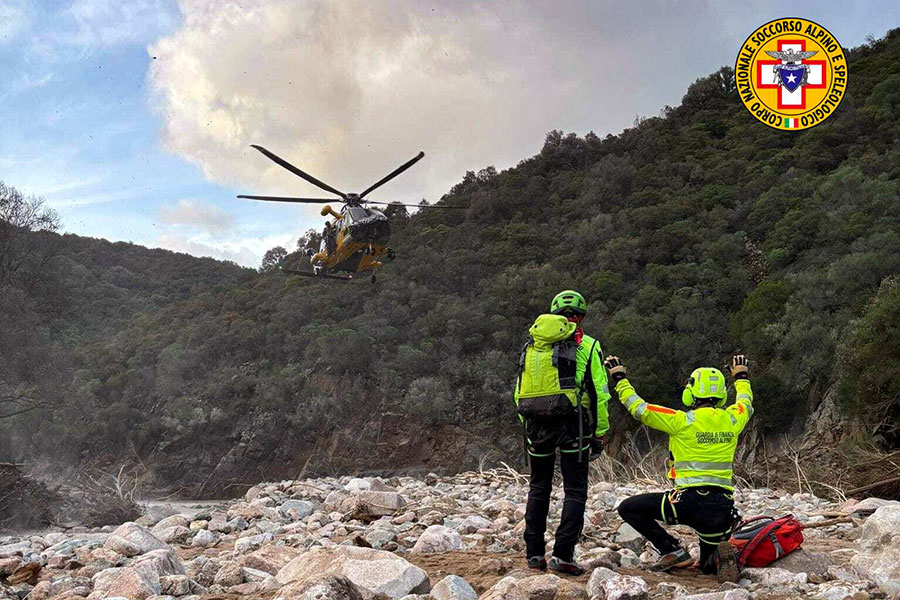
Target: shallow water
[159,509]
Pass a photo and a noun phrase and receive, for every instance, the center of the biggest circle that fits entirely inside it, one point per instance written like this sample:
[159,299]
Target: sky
[133,118]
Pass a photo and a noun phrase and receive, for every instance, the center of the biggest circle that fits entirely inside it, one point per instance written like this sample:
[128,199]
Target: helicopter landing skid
[317,275]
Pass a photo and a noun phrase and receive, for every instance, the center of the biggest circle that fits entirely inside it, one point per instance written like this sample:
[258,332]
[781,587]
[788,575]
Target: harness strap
[579,394]
[522,363]
[753,520]
[673,497]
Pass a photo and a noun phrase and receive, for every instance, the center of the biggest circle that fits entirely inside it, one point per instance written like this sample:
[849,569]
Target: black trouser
[575,484]
[708,510]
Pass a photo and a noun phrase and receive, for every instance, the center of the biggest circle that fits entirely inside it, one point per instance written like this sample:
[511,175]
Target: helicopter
[355,241]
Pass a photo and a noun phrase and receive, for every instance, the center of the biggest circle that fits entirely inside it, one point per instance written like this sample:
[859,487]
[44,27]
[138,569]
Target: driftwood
[872,486]
[828,522]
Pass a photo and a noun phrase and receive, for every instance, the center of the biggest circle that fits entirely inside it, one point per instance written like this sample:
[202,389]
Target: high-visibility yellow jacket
[702,441]
[591,371]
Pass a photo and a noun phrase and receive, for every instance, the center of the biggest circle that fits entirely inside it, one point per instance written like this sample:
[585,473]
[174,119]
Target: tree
[23,255]
[273,259]
[310,240]
[871,382]
[396,213]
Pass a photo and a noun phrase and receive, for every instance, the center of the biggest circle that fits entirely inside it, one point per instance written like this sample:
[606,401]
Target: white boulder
[453,587]
[322,587]
[610,585]
[299,509]
[374,572]
[203,539]
[438,538]
[130,539]
[773,576]
[879,559]
[737,594]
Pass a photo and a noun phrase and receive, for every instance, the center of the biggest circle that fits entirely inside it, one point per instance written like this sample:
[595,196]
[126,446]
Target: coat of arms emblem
[791,73]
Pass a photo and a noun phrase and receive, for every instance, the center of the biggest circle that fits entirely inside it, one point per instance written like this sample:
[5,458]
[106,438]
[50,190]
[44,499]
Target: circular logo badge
[791,73]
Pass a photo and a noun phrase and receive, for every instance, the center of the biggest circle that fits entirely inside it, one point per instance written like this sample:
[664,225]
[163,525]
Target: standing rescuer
[702,443]
[561,396]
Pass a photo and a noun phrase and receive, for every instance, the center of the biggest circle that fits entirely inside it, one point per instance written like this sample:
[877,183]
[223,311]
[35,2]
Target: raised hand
[616,368]
[739,367]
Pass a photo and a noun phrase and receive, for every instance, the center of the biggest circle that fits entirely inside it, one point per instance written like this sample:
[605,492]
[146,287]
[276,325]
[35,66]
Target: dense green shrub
[871,383]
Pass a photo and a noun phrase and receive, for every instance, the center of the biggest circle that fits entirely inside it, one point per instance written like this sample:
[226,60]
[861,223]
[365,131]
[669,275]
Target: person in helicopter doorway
[703,439]
[561,397]
[329,234]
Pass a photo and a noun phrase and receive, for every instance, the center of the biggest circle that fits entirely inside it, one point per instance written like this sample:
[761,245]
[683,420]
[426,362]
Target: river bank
[444,538]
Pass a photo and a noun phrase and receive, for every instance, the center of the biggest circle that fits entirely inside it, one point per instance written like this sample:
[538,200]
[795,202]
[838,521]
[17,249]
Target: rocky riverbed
[451,538]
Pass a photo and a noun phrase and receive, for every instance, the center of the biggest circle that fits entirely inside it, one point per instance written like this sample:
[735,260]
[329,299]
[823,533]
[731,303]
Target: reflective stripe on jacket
[702,441]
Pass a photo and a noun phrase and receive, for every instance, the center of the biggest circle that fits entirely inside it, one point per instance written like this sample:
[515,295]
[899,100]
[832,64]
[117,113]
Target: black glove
[616,368]
[596,448]
[739,369]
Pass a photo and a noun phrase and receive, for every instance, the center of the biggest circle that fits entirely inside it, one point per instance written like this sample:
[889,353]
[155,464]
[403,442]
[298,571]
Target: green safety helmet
[704,383]
[568,300]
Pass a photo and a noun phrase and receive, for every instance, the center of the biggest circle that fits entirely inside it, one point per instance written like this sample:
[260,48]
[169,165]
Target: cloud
[89,199]
[99,23]
[13,19]
[204,229]
[207,217]
[247,251]
[348,90]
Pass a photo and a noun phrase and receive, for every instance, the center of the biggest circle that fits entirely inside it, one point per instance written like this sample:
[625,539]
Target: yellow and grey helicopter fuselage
[361,238]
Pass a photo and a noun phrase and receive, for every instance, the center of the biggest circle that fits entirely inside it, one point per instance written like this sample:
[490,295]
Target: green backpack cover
[546,384]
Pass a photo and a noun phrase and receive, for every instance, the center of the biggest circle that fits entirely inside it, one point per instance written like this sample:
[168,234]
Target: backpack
[760,541]
[546,382]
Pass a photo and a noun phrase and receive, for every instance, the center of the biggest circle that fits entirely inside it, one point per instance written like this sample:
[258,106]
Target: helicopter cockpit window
[357,214]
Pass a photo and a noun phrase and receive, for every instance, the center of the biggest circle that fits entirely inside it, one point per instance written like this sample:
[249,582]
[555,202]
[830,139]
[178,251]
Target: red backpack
[760,541]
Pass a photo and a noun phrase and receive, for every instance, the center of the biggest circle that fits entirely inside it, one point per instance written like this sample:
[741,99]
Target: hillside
[63,293]
[695,234]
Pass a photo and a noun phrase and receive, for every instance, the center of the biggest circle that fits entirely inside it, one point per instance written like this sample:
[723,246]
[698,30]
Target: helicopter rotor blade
[415,205]
[394,173]
[283,163]
[291,199]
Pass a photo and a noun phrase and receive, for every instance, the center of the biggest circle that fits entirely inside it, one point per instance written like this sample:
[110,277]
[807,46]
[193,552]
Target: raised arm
[742,409]
[652,415]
